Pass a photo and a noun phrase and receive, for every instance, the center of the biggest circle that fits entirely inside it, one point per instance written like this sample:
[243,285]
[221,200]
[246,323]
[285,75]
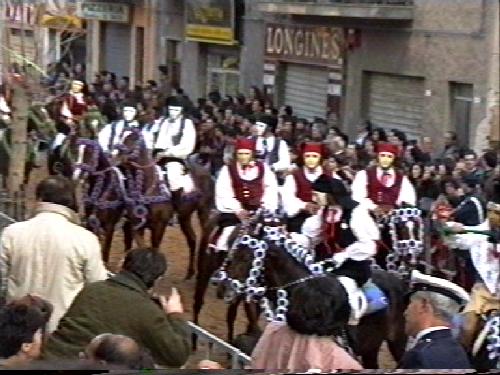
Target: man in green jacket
[122,305]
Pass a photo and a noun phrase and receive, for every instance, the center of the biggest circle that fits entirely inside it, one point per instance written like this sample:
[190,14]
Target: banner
[210,21]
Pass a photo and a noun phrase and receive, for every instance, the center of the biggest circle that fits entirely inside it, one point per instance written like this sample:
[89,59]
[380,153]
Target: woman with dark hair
[22,326]
[305,342]
[378,135]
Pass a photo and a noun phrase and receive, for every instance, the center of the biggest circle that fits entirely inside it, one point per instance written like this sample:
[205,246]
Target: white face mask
[174,112]
[129,113]
[260,128]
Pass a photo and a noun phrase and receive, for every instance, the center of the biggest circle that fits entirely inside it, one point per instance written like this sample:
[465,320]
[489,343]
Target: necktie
[386,177]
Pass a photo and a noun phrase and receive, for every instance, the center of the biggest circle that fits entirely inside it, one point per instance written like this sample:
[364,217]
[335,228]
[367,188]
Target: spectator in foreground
[306,341]
[433,304]
[118,350]
[50,255]
[22,323]
[123,305]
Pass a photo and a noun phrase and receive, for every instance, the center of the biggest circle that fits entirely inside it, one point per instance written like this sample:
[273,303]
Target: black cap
[335,187]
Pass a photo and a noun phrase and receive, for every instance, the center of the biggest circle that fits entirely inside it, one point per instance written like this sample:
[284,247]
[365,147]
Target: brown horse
[148,202]
[279,268]
[208,263]
[104,198]
[201,201]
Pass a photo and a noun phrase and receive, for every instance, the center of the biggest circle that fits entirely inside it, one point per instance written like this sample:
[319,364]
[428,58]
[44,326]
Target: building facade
[422,66]
[121,38]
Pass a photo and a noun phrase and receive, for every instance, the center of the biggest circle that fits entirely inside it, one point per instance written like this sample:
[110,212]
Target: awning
[61,22]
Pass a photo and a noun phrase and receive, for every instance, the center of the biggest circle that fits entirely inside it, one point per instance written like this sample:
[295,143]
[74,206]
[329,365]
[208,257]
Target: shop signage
[308,44]
[210,21]
[110,12]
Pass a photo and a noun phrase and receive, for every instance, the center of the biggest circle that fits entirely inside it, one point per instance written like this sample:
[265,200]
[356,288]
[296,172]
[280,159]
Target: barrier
[238,359]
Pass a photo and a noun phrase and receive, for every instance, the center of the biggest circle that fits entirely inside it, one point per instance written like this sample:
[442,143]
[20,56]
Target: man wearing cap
[297,195]
[174,139]
[270,149]
[115,132]
[433,304]
[348,239]
[242,186]
[382,186]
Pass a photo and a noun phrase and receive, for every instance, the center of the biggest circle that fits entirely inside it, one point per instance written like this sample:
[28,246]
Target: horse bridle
[254,291]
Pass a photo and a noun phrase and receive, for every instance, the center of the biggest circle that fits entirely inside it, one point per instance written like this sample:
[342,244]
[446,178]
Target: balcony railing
[368,9]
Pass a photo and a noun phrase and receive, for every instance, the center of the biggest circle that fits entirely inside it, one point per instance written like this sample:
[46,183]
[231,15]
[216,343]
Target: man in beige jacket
[50,255]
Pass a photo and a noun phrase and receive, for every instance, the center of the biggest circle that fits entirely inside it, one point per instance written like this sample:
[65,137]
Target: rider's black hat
[335,187]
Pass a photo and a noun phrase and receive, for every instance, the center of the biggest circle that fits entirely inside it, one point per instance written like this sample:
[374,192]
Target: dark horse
[104,198]
[208,263]
[199,201]
[148,202]
[251,272]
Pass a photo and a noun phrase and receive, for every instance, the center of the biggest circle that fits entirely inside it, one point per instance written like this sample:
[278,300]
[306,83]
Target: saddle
[375,297]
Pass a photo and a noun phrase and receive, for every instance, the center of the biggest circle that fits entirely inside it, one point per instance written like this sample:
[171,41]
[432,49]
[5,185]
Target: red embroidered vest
[248,193]
[304,186]
[381,194]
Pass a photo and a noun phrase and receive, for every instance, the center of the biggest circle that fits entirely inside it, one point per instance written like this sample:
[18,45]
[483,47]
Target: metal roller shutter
[396,102]
[117,49]
[306,89]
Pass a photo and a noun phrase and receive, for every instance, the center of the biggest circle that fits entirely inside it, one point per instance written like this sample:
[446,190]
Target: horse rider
[72,110]
[174,139]
[433,304]
[382,186]
[75,99]
[348,239]
[270,149]
[243,186]
[115,132]
[297,195]
[483,244]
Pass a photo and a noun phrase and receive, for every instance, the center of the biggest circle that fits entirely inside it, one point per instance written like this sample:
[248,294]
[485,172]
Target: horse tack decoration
[139,196]
[252,288]
[406,229]
[106,184]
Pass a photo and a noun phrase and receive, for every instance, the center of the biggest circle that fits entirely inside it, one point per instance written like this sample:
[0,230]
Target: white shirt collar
[429,330]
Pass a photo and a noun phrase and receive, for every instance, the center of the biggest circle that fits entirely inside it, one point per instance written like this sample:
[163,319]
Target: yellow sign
[61,22]
[209,34]
[210,21]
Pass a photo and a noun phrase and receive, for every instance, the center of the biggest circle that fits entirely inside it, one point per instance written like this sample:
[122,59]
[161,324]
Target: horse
[104,198]
[148,201]
[262,264]
[208,262]
[201,201]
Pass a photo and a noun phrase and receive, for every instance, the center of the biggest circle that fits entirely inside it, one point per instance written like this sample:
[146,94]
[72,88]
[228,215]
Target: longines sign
[309,44]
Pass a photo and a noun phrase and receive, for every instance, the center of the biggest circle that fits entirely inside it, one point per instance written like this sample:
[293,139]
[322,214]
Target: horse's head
[89,158]
[277,267]
[133,146]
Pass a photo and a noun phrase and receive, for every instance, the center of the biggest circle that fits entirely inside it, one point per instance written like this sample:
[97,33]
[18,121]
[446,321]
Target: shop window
[223,75]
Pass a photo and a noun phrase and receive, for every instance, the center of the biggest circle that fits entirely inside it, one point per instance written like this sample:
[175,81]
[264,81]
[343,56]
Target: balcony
[401,10]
